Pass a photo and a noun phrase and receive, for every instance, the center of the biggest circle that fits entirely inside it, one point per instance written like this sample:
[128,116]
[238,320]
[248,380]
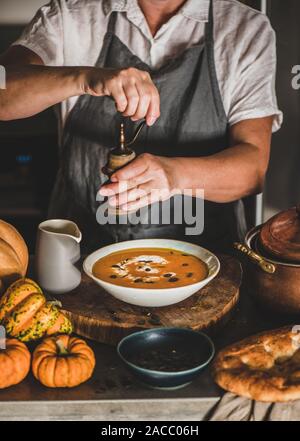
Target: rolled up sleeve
[44,34]
[253,94]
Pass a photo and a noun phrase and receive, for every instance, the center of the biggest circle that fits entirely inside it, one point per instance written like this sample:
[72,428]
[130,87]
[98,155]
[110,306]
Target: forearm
[234,173]
[31,89]
[226,176]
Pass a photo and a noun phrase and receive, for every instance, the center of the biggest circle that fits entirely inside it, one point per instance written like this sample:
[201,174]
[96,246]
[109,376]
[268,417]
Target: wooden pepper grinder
[121,156]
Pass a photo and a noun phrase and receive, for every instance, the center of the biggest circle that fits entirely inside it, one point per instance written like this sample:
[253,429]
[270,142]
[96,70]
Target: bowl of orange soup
[152,272]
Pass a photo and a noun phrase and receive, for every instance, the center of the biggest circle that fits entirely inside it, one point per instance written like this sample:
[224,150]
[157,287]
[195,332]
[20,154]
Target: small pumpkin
[13,253]
[63,361]
[27,315]
[14,363]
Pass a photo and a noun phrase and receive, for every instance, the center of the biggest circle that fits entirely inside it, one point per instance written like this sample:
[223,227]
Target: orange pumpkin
[14,363]
[63,361]
[13,254]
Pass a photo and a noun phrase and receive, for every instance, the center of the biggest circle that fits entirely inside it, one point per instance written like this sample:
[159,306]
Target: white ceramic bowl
[153,297]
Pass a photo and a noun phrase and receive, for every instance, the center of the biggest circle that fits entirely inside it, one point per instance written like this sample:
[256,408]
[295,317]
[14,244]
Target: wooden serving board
[99,316]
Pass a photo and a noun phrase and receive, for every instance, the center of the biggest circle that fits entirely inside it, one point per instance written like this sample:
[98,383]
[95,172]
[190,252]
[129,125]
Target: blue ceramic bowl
[196,345]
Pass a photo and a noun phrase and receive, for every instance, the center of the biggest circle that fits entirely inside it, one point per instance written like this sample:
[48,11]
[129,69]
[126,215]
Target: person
[200,72]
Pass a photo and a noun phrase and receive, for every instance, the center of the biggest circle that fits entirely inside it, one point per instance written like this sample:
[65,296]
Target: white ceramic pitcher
[57,251]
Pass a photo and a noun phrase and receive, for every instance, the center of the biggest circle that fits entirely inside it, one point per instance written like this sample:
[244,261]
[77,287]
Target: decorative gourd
[61,326]
[23,313]
[15,294]
[27,315]
[63,361]
[44,318]
[14,363]
[13,254]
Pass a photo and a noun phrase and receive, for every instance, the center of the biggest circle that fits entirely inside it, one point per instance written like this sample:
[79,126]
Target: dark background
[29,159]
[29,149]
[283,183]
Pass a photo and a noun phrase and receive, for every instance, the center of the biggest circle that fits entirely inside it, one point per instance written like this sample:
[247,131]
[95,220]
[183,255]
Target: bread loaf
[13,254]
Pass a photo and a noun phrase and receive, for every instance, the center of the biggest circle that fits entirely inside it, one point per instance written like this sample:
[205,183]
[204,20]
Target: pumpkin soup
[150,268]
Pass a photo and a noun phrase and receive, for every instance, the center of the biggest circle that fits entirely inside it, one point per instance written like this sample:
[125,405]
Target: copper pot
[275,283]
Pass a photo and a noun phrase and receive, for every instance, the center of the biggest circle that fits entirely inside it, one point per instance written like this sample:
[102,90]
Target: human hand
[145,180]
[133,91]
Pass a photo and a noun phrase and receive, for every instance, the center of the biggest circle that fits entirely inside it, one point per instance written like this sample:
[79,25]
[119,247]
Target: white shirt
[71,32]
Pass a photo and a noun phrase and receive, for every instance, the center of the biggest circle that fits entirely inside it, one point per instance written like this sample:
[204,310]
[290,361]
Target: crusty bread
[10,235]
[264,367]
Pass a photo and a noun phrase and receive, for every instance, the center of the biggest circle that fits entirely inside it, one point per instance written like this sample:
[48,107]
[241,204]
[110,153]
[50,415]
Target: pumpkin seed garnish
[173,279]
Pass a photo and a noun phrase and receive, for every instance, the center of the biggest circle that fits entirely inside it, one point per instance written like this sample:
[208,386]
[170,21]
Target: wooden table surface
[97,315]
[113,394]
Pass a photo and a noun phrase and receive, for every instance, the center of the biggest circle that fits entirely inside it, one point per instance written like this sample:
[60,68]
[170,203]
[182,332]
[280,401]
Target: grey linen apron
[193,123]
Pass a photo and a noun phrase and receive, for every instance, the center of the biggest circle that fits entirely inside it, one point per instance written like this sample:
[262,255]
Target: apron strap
[112,22]
[209,42]
[209,28]
[107,39]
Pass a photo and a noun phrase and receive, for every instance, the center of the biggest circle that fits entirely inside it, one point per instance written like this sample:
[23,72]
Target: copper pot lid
[280,235]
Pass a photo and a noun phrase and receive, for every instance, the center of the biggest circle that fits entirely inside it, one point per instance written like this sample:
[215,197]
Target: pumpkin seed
[154,322]
[116,319]
[155,317]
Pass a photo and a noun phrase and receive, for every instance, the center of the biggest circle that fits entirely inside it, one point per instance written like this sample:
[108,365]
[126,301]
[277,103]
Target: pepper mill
[121,156]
